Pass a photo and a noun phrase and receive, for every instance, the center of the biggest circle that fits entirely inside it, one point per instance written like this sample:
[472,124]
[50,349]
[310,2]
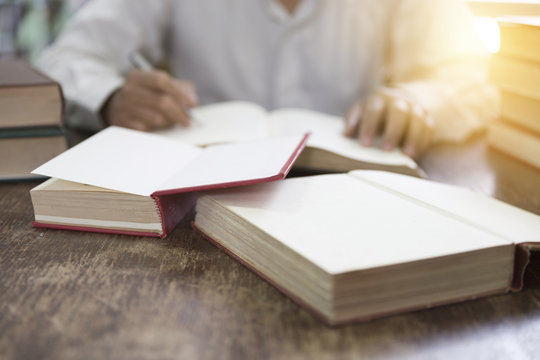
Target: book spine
[172,209]
[522,257]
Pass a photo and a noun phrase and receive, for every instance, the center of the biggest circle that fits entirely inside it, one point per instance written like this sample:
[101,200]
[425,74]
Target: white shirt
[325,56]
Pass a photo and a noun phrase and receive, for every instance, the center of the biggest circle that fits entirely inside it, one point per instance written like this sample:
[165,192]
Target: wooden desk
[70,295]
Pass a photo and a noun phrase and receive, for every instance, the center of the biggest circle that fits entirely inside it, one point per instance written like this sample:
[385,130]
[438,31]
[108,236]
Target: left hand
[401,121]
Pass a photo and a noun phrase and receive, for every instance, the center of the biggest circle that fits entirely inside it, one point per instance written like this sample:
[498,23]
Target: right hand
[149,101]
[400,121]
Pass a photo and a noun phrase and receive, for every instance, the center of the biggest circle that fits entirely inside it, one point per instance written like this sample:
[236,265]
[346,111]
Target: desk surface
[70,295]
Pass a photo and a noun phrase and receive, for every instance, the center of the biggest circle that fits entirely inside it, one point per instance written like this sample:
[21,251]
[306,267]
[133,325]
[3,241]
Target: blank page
[342,224]
[121,159]
[141,163]
[237,162]
[327,134]
[490,214]
[221,123]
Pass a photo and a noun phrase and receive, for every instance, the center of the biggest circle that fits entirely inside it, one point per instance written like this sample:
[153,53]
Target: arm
[90,59]
[437,89]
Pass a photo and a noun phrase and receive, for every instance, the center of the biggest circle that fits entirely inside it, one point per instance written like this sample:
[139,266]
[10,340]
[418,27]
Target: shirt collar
[280,15]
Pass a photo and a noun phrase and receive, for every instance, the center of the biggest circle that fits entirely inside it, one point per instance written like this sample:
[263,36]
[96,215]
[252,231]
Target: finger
[137,125]
[189,91]
[137,98]
[130,122]
[172,111]
[416,133]
[352,119]
[396,123]
[134,96]
[373,112]
[172,102]
[428,135]
[155,80]
[150,118]
[183,100]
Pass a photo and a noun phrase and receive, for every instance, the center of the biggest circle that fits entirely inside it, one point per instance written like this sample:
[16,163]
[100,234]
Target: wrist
[105,110]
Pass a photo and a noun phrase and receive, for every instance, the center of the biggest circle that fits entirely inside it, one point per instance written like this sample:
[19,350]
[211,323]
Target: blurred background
[27,26]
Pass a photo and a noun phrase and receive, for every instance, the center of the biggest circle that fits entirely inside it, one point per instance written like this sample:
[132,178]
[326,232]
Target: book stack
[31,129]
[516,71]
[348,247]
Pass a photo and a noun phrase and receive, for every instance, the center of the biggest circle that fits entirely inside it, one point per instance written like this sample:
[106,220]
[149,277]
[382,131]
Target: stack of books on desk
[516,71]
[31,129]
[348,247]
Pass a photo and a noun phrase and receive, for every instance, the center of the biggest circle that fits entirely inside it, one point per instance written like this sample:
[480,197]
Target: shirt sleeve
[437,59]
[90,58]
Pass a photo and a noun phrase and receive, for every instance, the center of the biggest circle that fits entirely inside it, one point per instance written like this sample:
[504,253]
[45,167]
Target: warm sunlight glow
[488,31]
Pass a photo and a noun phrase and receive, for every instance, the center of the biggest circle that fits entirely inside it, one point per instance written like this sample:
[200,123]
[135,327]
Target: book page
[492,215]
[121,159]
[326,133]
[342,224]
[221,123]
[237,162]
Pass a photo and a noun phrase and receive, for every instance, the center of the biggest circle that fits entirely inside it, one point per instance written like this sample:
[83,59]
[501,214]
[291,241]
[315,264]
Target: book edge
[40,225]
[333,322]
[290,295]
[502,150]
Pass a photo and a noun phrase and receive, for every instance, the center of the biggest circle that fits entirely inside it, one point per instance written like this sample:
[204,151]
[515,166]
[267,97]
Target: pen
[141,63]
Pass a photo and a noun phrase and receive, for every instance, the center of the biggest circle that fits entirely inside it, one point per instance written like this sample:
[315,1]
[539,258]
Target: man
[409,68]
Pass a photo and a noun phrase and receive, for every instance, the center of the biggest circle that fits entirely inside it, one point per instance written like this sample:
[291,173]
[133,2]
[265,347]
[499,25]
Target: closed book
[27,97]
[515,75]
[23,149]
[151,173]
[518,142]
[520,38]
[60,204]
[521,110]
[357,246]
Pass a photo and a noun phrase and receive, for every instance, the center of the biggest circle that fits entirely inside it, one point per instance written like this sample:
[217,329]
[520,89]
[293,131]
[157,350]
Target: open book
[366,244]
[327,149]
[122,180]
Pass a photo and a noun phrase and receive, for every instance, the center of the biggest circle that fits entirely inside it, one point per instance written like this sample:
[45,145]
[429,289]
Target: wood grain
[71,295]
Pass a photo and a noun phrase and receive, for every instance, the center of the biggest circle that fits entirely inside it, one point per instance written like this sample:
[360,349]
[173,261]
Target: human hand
[150,100]
[402,122]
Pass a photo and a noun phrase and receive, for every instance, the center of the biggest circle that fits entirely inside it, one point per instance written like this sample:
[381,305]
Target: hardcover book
[520,37]
[30,121]
[147,176]
[366,244]
[515,141]
[24,149]
[27,97]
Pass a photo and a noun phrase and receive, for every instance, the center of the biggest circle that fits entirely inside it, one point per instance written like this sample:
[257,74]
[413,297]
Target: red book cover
[172,210]
[173,204]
